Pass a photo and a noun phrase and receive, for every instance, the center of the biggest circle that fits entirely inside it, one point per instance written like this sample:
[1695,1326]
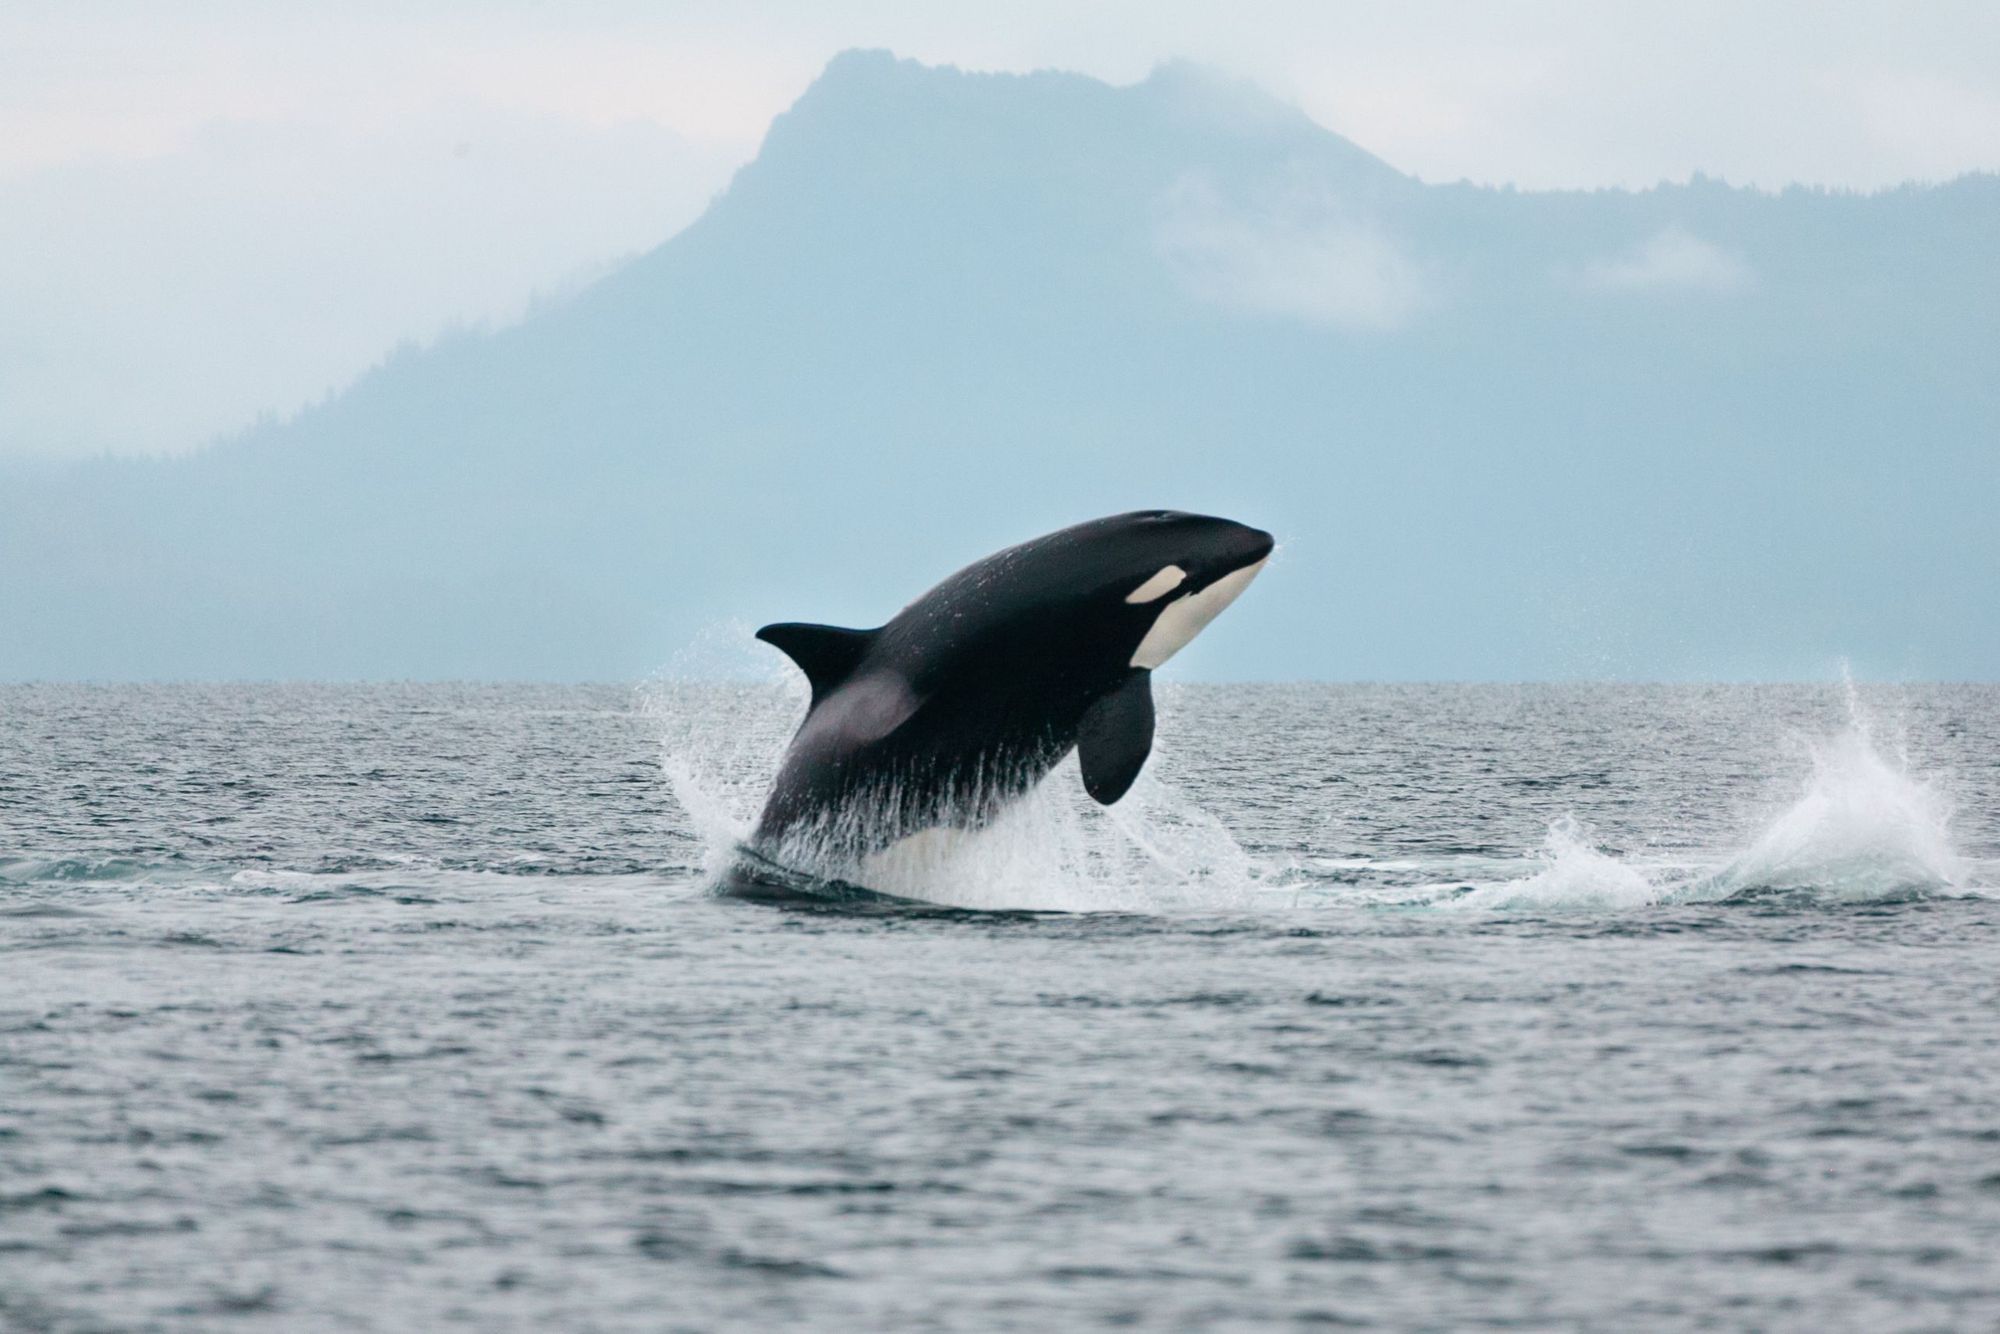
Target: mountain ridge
[941,311]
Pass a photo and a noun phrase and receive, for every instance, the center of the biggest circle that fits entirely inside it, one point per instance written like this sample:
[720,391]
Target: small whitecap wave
[76,870]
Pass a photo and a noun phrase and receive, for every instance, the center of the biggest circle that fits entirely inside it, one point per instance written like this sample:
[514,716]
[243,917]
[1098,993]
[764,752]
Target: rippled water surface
[1557,1008]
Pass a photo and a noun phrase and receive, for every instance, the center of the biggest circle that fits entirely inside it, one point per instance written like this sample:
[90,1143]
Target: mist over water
[1576,1007]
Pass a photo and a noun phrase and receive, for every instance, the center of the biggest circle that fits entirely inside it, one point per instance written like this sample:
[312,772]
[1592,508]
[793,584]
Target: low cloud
[1292,251]
[1672,260]
[151,303]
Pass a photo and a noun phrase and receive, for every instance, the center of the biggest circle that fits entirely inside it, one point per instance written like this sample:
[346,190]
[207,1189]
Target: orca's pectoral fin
[1115,738]
[825,653]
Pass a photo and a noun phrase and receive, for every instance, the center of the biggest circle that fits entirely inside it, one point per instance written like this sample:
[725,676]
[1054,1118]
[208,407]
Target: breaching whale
[972,693]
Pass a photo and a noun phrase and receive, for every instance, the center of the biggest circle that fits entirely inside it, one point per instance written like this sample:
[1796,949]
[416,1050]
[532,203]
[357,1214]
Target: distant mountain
[1693,431]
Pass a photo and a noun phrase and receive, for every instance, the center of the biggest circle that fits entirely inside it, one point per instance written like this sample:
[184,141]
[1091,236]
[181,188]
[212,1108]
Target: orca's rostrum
[973,692]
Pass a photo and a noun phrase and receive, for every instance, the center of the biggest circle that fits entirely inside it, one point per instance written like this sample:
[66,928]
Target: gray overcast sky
[209,211]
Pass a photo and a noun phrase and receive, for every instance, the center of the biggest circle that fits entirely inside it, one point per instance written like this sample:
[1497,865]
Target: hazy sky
[208,211]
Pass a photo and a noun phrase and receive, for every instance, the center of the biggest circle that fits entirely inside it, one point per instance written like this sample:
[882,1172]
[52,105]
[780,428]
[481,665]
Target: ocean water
[409,1008]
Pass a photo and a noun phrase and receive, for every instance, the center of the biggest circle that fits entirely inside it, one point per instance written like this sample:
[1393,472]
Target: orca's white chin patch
[1181,620]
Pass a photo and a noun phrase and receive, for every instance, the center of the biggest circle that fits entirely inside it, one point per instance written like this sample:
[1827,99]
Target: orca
[967,698]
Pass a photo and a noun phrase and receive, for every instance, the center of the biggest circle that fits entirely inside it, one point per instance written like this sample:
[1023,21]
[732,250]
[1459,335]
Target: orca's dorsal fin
[825,653]
[1115,738]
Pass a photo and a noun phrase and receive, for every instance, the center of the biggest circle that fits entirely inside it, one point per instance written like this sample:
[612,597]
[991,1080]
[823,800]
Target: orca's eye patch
[1166,581]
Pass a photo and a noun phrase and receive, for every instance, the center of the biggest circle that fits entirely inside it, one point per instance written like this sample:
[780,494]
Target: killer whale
[967,697]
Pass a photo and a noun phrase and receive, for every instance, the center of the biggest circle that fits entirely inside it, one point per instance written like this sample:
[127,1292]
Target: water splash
[1052,849]
[1573,874]
[1864,828]
[724,715]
